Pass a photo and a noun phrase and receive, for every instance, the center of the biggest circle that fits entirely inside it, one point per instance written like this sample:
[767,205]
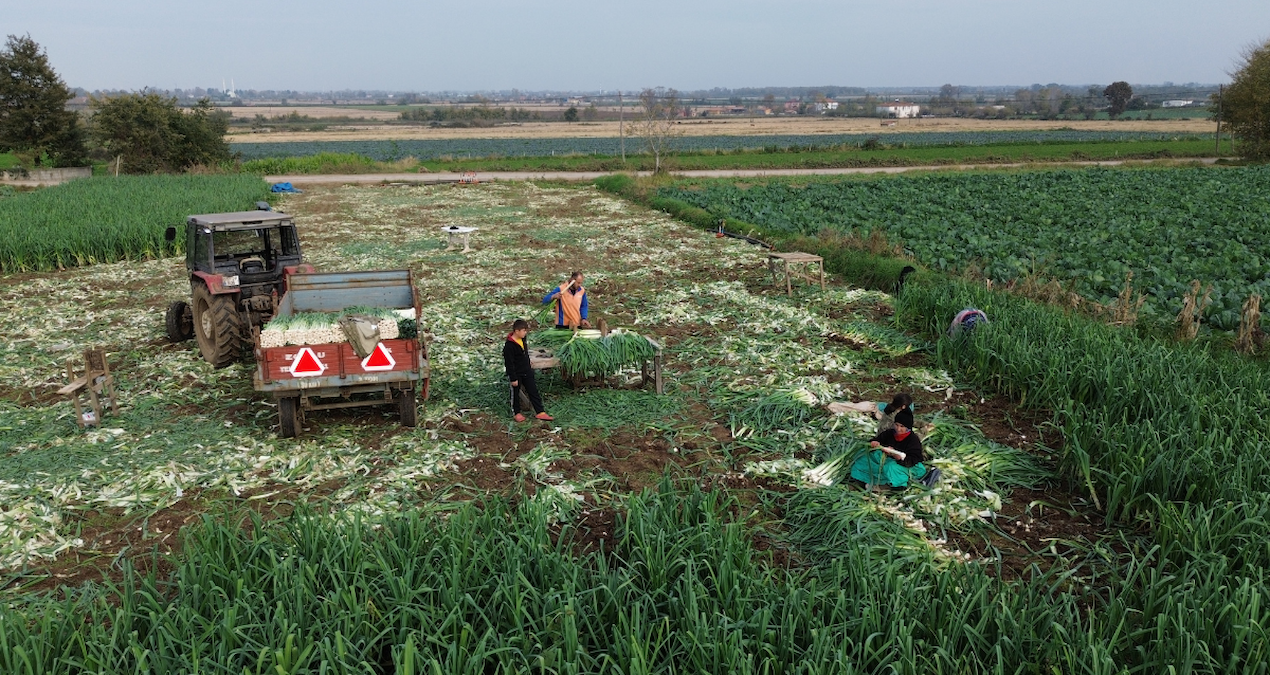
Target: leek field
[104,219]
[706,530]
[1086,228]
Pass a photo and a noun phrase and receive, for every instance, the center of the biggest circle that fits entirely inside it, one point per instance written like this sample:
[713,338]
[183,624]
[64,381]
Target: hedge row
[862,268]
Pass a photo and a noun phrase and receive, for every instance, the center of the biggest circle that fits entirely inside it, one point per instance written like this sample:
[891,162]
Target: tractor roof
[241,220]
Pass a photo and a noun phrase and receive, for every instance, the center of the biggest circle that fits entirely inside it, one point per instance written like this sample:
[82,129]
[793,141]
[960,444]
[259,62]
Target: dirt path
[492,176]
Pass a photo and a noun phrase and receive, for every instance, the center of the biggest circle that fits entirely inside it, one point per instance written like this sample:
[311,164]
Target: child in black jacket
[520,373]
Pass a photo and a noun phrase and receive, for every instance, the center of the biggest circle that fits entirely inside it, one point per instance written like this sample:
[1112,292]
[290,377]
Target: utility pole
[621,132]
[1217,141]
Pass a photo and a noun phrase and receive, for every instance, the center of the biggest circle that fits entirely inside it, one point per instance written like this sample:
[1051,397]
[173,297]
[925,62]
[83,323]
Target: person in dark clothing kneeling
[520,373]
[896,458]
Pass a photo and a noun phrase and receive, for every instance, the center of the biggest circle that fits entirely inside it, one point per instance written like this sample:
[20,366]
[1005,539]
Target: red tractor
[238,265]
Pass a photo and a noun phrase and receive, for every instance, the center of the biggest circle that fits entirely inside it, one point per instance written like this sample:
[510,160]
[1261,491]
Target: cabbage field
[387,151]
[104,219]
[1087,227]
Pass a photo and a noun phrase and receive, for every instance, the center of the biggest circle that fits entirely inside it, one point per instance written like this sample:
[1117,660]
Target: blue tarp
[284,187]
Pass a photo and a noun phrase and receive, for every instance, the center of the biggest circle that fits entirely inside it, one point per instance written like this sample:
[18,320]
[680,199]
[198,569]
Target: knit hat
[904,417]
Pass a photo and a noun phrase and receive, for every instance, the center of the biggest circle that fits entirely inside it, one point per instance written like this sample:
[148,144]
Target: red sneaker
[519,417]
[544,417]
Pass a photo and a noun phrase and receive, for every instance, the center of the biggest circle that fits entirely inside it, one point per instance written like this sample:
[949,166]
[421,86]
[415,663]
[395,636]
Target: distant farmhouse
[1177,103]
[716,111]
[899,109]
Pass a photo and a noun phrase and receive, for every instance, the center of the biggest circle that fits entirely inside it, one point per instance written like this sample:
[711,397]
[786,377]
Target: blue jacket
[560,306]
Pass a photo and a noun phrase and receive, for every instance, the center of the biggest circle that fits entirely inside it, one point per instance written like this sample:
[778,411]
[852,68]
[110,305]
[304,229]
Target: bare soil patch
[316,112]
[151,542]
[634,462]
[1034,527]
[777,126]
[593,531]
[32,398]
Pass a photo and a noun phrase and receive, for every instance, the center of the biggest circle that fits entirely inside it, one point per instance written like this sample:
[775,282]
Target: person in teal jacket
[896,457]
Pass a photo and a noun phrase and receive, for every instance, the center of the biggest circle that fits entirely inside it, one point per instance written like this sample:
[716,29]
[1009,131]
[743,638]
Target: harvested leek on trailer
[315,328]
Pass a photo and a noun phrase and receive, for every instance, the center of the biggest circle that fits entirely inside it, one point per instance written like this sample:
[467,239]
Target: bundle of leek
[586,352]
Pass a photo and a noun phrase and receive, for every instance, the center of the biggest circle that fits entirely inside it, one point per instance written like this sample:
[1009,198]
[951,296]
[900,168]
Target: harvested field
[186,428]
[316,112]
[712,526]
[763,126]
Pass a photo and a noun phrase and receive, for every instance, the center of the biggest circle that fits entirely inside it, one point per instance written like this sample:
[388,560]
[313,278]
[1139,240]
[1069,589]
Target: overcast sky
[582,45]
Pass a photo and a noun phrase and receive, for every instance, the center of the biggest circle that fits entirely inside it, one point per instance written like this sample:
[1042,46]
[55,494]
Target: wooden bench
[796,264]
[96,383]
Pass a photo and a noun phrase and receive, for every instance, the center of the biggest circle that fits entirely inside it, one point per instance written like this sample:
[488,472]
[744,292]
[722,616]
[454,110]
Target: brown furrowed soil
[760,126]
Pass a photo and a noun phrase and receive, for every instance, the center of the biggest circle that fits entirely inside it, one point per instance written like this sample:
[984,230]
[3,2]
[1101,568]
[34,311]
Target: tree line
[148,132]
[480,113]
[140,132]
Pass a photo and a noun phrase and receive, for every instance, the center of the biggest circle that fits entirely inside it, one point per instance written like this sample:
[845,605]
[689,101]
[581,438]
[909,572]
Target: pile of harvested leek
[315,328]
[588,352]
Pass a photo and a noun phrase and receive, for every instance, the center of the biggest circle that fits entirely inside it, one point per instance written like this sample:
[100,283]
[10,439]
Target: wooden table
[796,264]
[457,234]
[543,359]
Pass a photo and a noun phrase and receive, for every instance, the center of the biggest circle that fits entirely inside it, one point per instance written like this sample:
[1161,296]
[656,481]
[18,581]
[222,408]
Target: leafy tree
[571,115]
[1118,94]
[33,115]
[1245,104]
[591,113]
[151,134]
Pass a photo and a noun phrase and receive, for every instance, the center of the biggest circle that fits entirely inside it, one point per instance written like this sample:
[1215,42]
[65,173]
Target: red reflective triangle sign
[307,364]
[380,358]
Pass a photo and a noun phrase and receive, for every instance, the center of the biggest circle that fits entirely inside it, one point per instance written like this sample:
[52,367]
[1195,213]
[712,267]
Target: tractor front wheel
[179,322]
[218,326]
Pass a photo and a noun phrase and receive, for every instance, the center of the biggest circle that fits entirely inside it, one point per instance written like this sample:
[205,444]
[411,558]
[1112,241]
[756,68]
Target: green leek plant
[677,587]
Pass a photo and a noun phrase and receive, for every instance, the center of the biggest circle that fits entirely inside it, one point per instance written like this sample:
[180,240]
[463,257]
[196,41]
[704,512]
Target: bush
[151,134]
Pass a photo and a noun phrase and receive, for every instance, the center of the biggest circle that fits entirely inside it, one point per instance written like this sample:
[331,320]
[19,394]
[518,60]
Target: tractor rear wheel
[288,416]
[408,407]
[179,322]
[218,327]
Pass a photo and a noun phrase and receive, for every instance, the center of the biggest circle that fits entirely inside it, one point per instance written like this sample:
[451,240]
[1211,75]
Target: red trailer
[324,376]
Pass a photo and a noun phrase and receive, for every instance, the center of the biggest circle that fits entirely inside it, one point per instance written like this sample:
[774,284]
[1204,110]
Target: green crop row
[391,151]
[676,586]
[325,162]
[104,219]
[1170,438]
[1088,228]
[1144,419]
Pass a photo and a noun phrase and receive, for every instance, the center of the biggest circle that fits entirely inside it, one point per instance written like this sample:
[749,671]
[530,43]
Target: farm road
[316,179]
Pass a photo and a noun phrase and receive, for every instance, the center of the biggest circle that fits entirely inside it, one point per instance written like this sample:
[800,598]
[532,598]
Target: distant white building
[899,109]
[1177,103]
[831,105]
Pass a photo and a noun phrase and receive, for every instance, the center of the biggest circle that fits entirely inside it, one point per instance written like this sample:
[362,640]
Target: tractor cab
[238,264]
[245,252]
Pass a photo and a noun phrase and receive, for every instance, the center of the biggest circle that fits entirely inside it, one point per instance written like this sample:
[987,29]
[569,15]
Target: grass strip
[677,586]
